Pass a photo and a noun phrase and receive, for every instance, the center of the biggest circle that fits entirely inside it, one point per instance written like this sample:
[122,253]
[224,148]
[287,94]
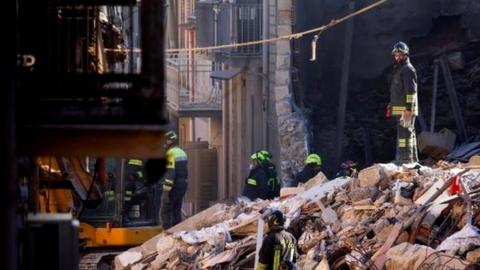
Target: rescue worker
[313,165]
[404,104]
[175,182]
[135,169]
[348,169]
[256,184]
[137,192]
[278,249]
[273,181]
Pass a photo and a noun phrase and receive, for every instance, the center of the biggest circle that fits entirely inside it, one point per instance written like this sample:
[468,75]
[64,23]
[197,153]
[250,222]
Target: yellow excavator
[116,206]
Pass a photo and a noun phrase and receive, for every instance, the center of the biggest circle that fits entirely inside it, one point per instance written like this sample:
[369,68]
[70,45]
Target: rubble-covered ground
[386,217]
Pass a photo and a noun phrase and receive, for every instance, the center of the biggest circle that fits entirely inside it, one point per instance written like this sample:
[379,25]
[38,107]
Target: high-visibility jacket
[278,248]
[403,89]
[177,171]
[256,184]
[307,173]
[273,182]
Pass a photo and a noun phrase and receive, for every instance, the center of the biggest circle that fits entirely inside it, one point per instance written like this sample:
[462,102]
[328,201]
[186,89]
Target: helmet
[276,219]
[348,164]
[400,47]
[171,135]
[266,155]
[314,159]
[256,156]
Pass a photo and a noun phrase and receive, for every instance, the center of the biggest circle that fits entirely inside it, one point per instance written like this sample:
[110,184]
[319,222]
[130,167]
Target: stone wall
[289,123]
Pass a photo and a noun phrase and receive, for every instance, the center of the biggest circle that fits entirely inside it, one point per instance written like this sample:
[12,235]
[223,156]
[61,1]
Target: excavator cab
[120,207]
[114,203]
[128,213]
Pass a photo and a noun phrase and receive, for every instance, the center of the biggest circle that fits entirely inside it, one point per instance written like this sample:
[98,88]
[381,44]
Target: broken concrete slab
[205,234]
[318,179]
[406,256]
[371,176]
[474,160]
[291,191]
[206,217]
[319,191]
[473,256]
[126,259]
[461,241]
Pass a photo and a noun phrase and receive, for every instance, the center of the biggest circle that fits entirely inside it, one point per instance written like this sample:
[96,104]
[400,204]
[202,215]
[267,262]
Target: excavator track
[102,260]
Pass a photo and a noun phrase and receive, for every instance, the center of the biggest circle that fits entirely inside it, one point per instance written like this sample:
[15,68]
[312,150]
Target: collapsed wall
[429,27]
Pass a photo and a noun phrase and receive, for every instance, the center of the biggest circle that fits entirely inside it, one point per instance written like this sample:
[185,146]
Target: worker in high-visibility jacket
[273,181]
[279,248]
[313,165]
[404,103]
[175,182]
[256,184]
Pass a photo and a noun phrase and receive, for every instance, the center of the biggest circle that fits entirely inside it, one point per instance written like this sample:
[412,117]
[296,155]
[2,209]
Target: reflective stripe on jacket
[403,89]
[176,168]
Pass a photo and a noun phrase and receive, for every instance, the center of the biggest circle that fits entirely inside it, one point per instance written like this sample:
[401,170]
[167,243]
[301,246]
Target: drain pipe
[265,77]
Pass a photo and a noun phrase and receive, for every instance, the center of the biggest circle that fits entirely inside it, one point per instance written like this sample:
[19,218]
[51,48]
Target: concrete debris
[461,241]
[371,176]
[369,222]
[406,256]
[474,160]
[318,179]
[474,256]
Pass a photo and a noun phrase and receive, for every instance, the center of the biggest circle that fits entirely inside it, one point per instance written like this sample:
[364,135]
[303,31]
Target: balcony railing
[189,88]
[246,26]
[219,23]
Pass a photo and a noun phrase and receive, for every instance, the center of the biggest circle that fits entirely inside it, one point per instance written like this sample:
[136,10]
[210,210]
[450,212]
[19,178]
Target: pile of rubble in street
[388,217]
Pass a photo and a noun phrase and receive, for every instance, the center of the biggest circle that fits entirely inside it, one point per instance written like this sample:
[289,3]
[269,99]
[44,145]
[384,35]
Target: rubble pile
[386,217]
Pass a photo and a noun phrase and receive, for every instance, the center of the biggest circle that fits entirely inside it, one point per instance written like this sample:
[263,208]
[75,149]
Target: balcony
[237,22]
[190,90]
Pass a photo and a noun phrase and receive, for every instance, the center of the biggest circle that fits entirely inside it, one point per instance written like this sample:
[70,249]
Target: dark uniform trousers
[172,211]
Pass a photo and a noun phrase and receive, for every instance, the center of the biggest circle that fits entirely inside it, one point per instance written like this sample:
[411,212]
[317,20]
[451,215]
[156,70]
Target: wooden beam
[452,94]
[342,103]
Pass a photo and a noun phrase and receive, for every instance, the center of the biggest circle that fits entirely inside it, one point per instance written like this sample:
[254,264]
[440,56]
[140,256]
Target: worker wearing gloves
[175,183]
[273,182]
[278,251]
[313,165]
[256,184]
[404,104]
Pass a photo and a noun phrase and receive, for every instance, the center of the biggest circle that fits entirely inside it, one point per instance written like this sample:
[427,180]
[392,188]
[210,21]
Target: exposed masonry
[290,124]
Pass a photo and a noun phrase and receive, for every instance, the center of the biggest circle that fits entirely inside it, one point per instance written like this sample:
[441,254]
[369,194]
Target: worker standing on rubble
[273,181]
[256,184]
[404,104]
[313,165]
[175,183]
[348,169]
[278,249]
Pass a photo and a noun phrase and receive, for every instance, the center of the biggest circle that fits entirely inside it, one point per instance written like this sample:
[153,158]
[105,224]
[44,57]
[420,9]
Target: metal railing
[246,26]
[189,86]
[88,65]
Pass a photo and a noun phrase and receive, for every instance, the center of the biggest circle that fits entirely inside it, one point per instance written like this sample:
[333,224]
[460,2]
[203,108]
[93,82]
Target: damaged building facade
[232,102]
[273,97]
[431,28]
